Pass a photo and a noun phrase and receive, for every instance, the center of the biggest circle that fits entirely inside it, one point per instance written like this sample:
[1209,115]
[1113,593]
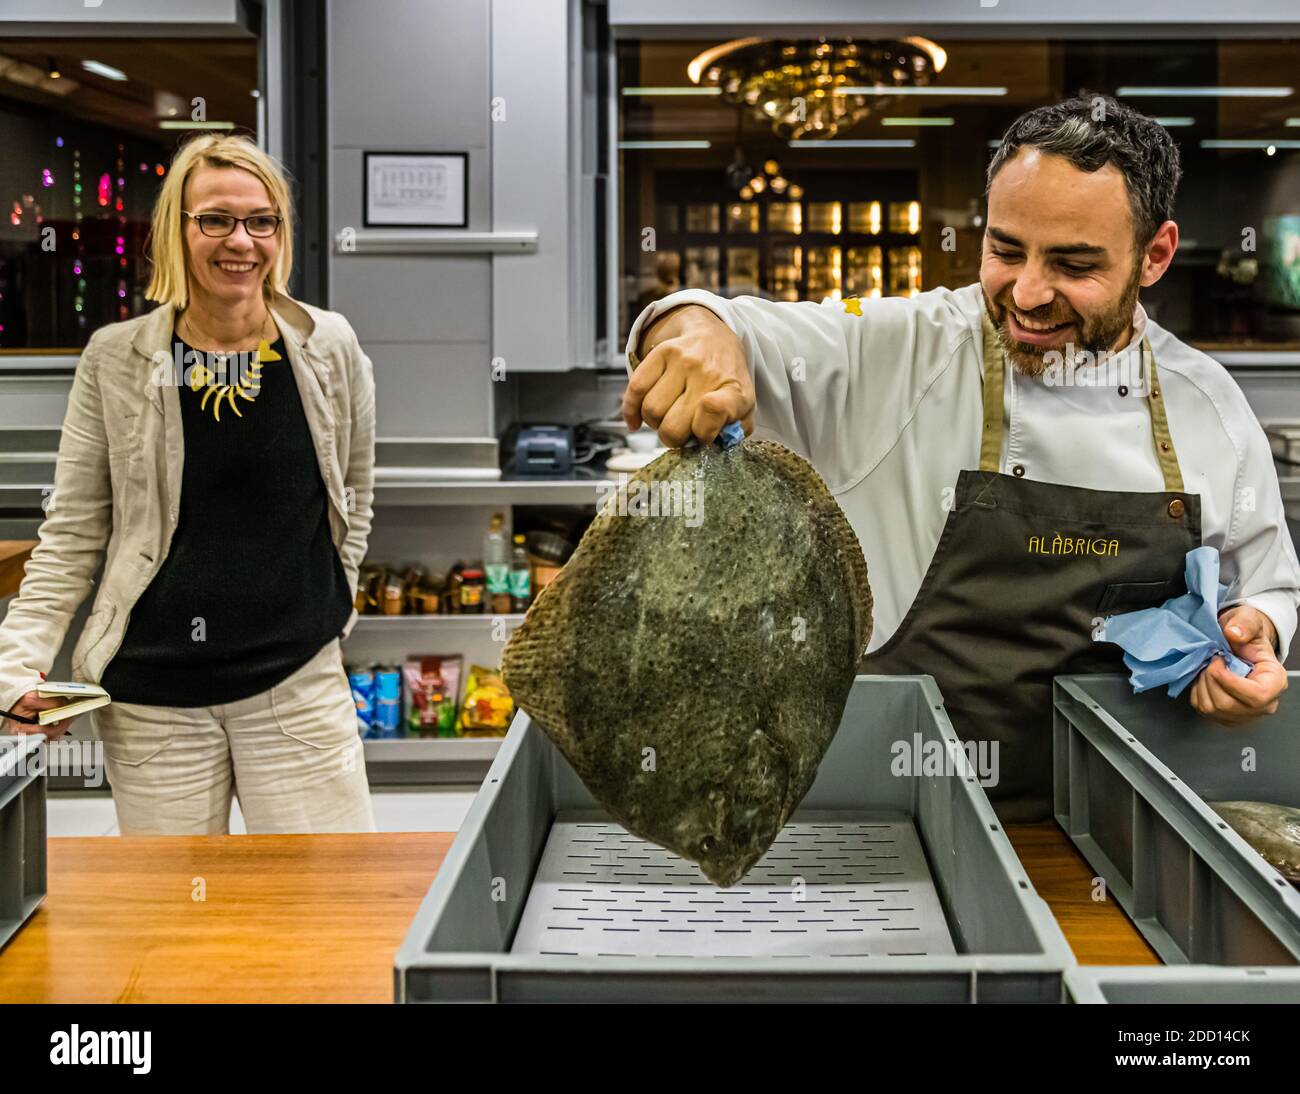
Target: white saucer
[624,459]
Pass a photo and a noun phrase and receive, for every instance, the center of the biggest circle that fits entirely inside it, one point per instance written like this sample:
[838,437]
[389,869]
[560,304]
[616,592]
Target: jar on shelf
[472,589]
[393,594]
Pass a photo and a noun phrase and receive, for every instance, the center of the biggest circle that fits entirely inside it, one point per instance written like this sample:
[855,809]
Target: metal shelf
[406,241]
[1289,486]
[505,491]
[383,622]
[29,494]
[23,497]
[430,760]
[40,365]
[390,639]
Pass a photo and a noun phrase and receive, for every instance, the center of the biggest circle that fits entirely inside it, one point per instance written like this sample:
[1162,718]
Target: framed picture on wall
[416,190]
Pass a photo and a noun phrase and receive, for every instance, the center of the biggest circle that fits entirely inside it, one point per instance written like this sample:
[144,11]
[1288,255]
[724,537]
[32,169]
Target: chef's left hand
[1229,699]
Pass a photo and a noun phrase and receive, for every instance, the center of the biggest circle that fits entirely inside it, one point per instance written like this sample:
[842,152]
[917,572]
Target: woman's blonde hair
[170,281]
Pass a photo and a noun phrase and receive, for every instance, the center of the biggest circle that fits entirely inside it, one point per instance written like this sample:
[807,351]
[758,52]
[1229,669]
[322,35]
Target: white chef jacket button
[1018,471]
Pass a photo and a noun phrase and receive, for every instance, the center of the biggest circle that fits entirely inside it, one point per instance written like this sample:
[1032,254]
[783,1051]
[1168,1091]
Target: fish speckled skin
[1272,830]
[693,668]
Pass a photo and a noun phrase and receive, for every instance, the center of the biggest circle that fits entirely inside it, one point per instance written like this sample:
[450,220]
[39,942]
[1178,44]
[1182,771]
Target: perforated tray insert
[867,892]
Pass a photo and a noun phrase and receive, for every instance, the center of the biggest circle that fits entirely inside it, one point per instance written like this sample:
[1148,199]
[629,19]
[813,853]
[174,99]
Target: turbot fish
[693,658]
[1272,830]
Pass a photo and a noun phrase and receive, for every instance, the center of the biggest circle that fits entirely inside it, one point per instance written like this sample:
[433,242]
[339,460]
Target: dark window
[870,219]
[84,155]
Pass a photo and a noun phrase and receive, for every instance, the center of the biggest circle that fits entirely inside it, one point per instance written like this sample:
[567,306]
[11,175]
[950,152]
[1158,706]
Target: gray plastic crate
[1132,776]
[22,830]
[975,929]
[1181,984]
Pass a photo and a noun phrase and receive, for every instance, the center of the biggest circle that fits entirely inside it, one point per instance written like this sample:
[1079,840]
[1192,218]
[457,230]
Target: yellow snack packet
[488,708]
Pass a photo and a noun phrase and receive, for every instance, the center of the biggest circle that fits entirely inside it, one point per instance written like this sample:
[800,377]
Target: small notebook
[83,697]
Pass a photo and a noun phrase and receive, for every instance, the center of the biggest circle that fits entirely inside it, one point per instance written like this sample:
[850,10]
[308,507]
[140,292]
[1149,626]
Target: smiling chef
[1021,457]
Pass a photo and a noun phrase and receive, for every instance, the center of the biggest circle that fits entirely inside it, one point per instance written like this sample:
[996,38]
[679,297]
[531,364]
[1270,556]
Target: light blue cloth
[732,434]
[1171,644]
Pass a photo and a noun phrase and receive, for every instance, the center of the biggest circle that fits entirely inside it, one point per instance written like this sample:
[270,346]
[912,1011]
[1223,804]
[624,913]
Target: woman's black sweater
[252,586]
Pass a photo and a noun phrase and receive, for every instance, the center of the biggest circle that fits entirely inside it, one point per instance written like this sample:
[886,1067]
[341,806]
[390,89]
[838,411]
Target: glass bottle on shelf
[496,565]
[521,581]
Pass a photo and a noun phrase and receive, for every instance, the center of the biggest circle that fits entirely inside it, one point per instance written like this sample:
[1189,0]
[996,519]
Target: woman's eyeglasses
[259,225]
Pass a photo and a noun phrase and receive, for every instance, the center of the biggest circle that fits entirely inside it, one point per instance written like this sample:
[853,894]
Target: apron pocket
[1130,596]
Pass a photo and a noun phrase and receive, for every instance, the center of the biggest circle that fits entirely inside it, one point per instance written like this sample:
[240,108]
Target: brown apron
[1022,576]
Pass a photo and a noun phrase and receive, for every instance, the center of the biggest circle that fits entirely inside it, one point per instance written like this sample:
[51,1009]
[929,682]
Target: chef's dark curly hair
[1092,130]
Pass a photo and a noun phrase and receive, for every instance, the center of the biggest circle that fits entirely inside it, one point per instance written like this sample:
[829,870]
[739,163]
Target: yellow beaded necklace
[245,387]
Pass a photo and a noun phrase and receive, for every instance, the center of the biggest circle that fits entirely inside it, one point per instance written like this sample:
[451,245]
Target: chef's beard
[1097,333]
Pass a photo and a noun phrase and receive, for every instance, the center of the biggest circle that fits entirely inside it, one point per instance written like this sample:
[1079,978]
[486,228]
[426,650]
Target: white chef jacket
[887,406]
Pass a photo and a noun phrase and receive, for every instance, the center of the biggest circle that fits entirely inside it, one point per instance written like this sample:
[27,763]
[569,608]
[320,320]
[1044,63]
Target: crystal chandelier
[797,86]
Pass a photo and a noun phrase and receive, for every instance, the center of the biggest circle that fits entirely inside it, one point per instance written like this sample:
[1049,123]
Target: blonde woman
[217,455]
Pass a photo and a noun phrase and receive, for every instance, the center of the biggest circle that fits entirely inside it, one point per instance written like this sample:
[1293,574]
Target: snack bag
[432,681]
[488,708]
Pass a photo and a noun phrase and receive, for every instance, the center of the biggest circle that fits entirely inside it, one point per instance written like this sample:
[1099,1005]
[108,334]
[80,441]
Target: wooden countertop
[1099,932]
[14,554]
[318,918]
